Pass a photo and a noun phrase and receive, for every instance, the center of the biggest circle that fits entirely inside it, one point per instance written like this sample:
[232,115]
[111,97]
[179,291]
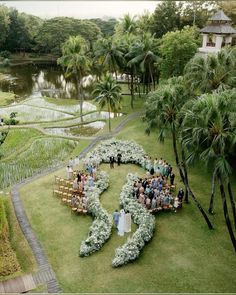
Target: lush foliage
[176,49]
[207,73]
[54,32]
[145,221]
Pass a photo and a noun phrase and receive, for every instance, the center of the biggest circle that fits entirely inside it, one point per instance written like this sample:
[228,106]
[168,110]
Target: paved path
[46,275]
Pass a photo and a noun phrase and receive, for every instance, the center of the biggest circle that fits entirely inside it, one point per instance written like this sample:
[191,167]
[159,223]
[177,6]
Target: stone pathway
[45,275]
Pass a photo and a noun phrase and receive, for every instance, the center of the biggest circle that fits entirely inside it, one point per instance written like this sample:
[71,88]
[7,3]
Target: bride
[121,224]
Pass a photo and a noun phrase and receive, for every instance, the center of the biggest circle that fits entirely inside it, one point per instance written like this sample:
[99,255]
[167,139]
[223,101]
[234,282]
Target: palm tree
[127,25]
[110,54]
[162,110]
[108,93]
[210,132]
[142,55]
[212,71]
[77,63]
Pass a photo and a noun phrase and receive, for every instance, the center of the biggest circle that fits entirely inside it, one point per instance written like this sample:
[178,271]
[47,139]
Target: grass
[62,102]
[19,244]
[17,139]
[6,98]
[183,256]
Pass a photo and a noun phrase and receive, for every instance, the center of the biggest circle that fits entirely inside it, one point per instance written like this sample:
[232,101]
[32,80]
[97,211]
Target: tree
[54,32]
[229,7]
[162,110]
[4,24]
[107,27]
[18,38]
[209,130]
[109,53]
[127,25]
[108,93]
[144,23]
[166,18]
[206,74]
[75,60]
[176,49]
[197,13]
[143,55]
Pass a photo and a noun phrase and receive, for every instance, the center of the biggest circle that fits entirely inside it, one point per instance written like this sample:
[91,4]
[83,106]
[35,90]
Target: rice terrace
[118,147]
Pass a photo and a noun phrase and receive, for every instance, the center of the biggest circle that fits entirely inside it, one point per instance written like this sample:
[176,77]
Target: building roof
[220,16]
[218,29]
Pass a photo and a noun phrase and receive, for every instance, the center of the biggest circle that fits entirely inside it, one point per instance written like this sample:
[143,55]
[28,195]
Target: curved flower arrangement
[130,150]
[100,230]
[146,222]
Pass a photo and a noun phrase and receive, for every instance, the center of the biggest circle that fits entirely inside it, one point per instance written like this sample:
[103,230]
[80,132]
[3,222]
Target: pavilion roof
[219,29]
[220,16]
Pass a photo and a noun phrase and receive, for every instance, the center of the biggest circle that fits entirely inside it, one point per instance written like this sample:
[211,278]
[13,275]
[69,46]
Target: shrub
[5,54]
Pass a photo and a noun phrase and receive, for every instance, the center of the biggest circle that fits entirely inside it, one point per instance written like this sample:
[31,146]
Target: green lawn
[17,139]
[183,256]
[6,98]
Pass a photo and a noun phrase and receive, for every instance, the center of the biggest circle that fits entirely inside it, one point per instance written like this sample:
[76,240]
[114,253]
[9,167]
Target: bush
[5,54]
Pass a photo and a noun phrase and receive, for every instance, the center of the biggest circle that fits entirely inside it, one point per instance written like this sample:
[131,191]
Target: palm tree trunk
[186,200]
[184,180]
[226,213]
[79,95]
[132,90]
[109,117]
[211,205]
[232,201]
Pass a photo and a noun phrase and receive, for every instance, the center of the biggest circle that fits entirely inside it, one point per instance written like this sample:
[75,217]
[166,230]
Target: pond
[45,80]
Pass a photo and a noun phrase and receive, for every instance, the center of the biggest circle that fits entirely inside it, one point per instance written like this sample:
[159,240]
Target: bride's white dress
[121,224]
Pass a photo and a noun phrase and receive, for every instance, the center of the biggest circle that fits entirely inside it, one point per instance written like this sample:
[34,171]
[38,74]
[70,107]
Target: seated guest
[154,203]
[141,189]
[148,203]
[141,199]
[147,190]
[74,201]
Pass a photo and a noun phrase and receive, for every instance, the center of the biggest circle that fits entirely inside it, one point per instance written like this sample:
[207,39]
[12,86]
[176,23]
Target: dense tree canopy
[4,25]
[54,32]
[166,18]
[176,49]
[107,27]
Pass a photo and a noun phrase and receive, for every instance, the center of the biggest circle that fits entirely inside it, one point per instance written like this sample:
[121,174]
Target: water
[46,80]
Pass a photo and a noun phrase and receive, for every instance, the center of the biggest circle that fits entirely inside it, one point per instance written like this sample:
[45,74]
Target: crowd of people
[156,194]
[155,191]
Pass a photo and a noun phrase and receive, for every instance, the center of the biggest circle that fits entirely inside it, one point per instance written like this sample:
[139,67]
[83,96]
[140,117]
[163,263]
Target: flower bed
[146,222]
[100,230]
[131,152]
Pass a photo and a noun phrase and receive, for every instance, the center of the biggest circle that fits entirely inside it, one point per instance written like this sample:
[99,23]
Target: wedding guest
[116,218]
